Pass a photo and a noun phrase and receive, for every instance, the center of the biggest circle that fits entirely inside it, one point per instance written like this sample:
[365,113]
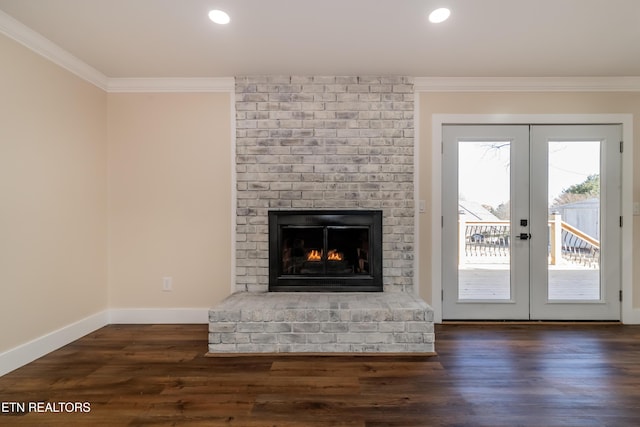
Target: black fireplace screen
[325,251]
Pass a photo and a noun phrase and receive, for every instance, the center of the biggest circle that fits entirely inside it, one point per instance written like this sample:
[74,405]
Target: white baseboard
[158,315]
[32,350]
[630,315]
[19,356]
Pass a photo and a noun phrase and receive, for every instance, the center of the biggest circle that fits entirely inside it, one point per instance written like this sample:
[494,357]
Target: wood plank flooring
[484,375]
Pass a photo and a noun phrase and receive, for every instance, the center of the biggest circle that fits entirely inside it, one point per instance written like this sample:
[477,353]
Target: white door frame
[629,315]
[515,273]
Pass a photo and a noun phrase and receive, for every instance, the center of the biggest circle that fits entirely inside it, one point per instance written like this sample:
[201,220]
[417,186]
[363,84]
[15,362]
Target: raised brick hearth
[279,322]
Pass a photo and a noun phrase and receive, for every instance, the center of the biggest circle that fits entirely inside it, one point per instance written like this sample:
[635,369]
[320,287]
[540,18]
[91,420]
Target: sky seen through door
[570,163]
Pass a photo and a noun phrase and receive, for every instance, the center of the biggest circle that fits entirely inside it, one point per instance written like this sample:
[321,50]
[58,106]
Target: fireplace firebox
[325,251]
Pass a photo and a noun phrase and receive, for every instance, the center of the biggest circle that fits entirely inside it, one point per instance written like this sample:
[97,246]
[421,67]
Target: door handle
[524,236]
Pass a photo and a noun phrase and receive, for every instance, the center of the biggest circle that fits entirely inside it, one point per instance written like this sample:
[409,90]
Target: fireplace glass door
[332,251]
[320,251]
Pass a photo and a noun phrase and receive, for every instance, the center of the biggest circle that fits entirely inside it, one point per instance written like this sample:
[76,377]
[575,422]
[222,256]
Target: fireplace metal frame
[372,219]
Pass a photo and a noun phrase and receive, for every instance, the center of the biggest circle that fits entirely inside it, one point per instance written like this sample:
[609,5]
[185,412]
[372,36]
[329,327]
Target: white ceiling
[483,38]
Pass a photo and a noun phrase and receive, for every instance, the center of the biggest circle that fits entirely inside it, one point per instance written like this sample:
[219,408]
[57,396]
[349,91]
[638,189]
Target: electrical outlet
[636,208]
[167,284]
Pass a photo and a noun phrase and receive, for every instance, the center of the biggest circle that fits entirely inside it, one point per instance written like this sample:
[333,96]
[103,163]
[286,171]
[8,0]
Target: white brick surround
[324,143]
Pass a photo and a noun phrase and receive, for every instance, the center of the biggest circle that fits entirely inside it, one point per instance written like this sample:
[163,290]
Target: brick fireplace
[324,143]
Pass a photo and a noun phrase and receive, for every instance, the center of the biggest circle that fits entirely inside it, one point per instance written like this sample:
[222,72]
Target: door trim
[629,314]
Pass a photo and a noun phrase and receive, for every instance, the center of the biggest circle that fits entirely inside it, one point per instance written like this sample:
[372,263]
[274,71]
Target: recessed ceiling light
[219,17]
[439,15]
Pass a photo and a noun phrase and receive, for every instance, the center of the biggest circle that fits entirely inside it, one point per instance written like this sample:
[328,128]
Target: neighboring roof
[475,211]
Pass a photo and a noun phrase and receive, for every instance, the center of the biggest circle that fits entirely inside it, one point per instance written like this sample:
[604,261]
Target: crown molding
[204,84]
[24,35]
[527,84]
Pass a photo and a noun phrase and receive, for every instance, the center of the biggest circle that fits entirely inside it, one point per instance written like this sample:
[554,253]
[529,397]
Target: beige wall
[516,103]
[53,197]
[102,195]
[169,199]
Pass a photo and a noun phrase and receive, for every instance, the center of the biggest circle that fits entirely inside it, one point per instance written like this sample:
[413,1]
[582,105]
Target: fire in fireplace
[336,251]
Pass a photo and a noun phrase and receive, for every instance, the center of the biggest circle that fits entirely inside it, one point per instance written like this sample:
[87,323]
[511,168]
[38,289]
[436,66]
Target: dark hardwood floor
[484,375]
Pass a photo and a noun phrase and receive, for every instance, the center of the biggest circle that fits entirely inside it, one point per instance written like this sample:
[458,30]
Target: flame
[314,255]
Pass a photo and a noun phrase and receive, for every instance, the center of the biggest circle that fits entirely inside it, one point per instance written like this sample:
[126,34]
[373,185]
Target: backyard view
[485,220]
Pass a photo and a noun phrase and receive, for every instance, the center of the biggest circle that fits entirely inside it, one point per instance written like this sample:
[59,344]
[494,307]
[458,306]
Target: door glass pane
[484,220]
[574,220]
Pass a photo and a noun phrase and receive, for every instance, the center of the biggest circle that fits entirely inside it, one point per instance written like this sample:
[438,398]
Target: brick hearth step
[280,322]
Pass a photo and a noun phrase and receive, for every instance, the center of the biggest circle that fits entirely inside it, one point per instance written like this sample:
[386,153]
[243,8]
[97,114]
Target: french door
[531,222]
